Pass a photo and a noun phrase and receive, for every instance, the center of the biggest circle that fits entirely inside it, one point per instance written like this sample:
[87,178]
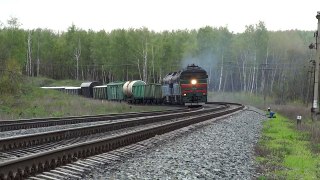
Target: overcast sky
[161,15]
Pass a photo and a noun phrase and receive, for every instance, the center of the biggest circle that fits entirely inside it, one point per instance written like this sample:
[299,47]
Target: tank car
[186,87]
[134,91]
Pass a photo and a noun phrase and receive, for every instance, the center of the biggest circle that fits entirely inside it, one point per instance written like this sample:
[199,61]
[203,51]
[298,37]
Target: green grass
[284,153]
[42,81]
[35,102]
[240,97]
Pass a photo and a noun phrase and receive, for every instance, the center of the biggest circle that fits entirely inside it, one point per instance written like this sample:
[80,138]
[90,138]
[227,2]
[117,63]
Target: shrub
[11,78]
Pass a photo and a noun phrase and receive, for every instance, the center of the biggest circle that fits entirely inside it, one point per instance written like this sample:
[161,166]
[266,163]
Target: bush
[11,78]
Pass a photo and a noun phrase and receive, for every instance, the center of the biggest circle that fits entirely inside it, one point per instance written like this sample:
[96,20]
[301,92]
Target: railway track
[27,155]
[9,125]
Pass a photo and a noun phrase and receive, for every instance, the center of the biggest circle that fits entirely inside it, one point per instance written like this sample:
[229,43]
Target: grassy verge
[285,153]
[241,97]
[290,109]
[42,81]
[35,102]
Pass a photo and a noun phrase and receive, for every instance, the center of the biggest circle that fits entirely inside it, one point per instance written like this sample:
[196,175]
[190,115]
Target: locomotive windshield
[194,76]
[193,72]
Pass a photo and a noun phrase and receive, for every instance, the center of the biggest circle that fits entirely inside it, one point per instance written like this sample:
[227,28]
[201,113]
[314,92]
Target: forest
[257,61]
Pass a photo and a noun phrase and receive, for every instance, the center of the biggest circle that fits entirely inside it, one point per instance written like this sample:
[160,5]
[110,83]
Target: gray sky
[161,15]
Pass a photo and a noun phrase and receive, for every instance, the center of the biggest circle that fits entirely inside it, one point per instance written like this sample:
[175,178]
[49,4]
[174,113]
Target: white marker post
[299,118]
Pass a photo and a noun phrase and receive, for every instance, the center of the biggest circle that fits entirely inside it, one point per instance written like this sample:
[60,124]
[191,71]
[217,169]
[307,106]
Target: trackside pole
[315,108]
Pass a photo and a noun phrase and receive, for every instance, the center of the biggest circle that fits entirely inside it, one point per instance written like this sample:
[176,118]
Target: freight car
[115,91]
[138,92]
[134,91]
[60,88]
[100,92]
[87,88]
[73,90]
[187,87]
[152,94]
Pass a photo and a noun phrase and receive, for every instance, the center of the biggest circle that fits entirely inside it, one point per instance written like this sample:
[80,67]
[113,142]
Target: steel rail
[58,135]
[9,125]
[44,161]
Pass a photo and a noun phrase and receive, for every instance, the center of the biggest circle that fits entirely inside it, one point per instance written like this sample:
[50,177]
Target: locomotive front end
[193,82]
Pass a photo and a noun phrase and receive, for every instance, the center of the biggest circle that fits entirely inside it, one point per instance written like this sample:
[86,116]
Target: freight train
[185,87]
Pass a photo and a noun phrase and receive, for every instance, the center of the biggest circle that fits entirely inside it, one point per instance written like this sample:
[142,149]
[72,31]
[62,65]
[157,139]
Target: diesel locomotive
[187,87]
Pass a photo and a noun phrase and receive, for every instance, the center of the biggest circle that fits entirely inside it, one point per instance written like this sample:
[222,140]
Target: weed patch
[285,153]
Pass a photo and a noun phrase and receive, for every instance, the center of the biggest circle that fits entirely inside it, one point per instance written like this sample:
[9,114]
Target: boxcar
[100,92]
[87,88]
[157,92]
[115,91]
[153,93]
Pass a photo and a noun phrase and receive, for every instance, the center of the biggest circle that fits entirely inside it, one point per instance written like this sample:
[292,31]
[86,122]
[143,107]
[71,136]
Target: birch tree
[153,74]
[262,50]
[77,54]
[38,55]
[29,56]
[223,44]
[145,63]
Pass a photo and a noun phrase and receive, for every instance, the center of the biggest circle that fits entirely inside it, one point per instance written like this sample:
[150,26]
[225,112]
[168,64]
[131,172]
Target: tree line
[257,61]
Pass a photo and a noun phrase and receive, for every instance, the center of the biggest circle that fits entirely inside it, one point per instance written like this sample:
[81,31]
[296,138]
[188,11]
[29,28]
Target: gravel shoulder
[219,150]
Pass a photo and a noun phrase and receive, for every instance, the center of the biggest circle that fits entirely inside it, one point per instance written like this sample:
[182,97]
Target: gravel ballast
[220,150]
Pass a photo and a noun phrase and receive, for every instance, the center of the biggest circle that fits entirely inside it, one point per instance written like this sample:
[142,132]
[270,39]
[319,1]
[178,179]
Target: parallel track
[9,125]
[73,148]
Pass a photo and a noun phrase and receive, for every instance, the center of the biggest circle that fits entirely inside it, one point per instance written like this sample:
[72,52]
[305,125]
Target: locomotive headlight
[193,81]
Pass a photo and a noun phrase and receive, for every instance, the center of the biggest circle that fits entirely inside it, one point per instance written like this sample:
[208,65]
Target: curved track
[9,125]
[53,149]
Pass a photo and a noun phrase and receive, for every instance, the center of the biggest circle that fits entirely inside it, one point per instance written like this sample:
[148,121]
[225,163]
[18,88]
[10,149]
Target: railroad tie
[94,161]
[84,168]
[82,163]
[117,153]
[65,174]
[35,178]
[102,160]
[47,177]
[99,159]
[77,173]
[109,156]
[53,174]
[71,168]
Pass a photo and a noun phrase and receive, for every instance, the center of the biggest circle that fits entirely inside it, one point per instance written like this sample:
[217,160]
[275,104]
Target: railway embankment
[224,149]
[243,146]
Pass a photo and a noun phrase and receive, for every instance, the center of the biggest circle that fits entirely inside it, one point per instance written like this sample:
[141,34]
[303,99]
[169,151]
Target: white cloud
[161,14]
